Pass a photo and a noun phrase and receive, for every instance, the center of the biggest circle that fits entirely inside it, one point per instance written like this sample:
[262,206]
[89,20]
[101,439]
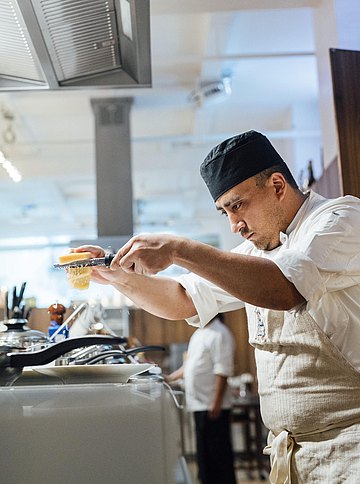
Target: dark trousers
[214,449]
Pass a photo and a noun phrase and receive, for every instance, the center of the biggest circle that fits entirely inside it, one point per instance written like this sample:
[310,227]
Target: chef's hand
[146,254]
[95,250]
[101,274]
[215,410]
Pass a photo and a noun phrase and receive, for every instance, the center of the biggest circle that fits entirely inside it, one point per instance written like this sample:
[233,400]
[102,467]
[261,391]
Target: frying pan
[12,363]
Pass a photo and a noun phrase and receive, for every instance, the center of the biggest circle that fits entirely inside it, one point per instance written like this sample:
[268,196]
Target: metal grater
[97,261]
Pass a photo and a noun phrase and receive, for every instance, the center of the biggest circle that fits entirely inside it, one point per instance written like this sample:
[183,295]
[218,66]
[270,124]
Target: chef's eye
[236,206]
[223,213]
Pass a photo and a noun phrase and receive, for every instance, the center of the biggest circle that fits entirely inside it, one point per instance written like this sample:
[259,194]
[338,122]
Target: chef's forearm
[220,387]
[163,297]
[254,280]
[175,375]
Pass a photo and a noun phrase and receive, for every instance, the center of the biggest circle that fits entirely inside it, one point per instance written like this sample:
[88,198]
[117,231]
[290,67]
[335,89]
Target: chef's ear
[279,183]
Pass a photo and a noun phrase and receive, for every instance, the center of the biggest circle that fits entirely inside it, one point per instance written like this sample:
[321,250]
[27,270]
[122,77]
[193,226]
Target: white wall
[336,25]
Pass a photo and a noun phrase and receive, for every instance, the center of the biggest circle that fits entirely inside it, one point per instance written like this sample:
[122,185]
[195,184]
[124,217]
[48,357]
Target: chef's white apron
[309,398]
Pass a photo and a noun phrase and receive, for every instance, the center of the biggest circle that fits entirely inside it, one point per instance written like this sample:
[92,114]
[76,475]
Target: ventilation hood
[68,44]
[114,194]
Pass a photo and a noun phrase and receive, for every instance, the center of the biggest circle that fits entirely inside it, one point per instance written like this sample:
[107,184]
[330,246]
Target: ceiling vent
[62,44]
[210,91]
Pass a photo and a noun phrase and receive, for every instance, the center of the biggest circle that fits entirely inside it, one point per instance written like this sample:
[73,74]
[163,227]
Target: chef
[208,364]
[298,275]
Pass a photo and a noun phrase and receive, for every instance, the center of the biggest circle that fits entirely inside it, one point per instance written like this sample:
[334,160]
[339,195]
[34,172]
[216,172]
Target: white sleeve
[208,299]
[327,257]
[301,271]
[223,354]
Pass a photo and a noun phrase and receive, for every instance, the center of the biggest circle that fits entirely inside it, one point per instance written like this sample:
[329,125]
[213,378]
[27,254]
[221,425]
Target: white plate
[119,373]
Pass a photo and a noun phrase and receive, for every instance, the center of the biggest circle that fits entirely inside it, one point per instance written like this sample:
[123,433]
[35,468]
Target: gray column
[113,167]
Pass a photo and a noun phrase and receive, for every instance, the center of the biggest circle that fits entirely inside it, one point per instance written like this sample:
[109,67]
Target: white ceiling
[267,47]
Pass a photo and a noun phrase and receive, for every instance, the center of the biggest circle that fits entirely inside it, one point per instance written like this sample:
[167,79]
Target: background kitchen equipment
[122,354]
[14,308]
[92,318]
[68,322]
[84,374]
[98,354]
[12,364]
[14,332]
[106,433]
[17,335]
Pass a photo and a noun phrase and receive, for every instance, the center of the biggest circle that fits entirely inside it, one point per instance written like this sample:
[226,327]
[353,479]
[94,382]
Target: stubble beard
[271,238]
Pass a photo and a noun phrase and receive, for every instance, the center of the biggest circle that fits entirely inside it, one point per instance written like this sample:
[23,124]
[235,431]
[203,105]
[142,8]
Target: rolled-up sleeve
[223,355]
[208,299]
[303,272]
[320,260]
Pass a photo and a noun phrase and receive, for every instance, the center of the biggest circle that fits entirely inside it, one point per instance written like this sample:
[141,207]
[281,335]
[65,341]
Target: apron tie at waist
[280,449]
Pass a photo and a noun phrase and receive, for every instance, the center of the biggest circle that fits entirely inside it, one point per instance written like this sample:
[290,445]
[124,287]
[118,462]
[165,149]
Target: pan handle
[107,354]
[42,357]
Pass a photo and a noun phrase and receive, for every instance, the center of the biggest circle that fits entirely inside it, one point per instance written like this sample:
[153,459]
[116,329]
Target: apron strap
[280,449]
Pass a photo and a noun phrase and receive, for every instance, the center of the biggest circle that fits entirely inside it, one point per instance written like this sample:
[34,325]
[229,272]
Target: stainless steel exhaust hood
[68,44]
[114,194]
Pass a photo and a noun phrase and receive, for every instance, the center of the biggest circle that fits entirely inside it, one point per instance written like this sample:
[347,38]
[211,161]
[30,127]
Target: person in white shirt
[298,276]
[209,361]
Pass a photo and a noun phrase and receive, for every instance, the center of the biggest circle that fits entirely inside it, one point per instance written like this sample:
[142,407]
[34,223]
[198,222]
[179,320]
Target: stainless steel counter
[93,433]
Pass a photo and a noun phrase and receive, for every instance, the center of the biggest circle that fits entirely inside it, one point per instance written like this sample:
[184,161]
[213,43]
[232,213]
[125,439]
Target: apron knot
[280,449]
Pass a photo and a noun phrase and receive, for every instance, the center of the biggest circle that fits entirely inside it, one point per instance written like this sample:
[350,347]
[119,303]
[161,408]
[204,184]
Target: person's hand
[167,379]
[95,250]
[215,410]
[146,254]
[100,274]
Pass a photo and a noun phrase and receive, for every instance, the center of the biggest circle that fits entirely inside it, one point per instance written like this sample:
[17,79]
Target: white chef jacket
[320,255]
[210,353]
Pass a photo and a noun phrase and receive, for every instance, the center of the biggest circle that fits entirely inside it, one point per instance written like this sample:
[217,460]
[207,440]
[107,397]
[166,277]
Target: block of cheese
[78,277]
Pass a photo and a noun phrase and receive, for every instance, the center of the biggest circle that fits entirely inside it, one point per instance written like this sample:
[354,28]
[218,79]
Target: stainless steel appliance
[90,433]
[82,44]
[84,423]
[12,363]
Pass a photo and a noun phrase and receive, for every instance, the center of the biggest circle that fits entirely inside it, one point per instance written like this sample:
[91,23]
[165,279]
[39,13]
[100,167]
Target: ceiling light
[9,137]
[11,170]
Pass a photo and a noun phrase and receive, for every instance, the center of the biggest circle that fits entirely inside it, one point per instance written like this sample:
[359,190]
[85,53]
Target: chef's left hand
[146,254]
[100,274]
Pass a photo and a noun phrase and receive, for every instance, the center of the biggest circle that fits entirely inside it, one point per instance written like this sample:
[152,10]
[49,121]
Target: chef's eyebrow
[219,208]
[227,204]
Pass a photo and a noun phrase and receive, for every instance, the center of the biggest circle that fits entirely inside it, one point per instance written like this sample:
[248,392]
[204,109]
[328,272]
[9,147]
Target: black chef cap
[237,159]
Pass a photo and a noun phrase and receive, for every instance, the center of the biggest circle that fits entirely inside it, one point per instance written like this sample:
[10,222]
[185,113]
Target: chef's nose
[236,225]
